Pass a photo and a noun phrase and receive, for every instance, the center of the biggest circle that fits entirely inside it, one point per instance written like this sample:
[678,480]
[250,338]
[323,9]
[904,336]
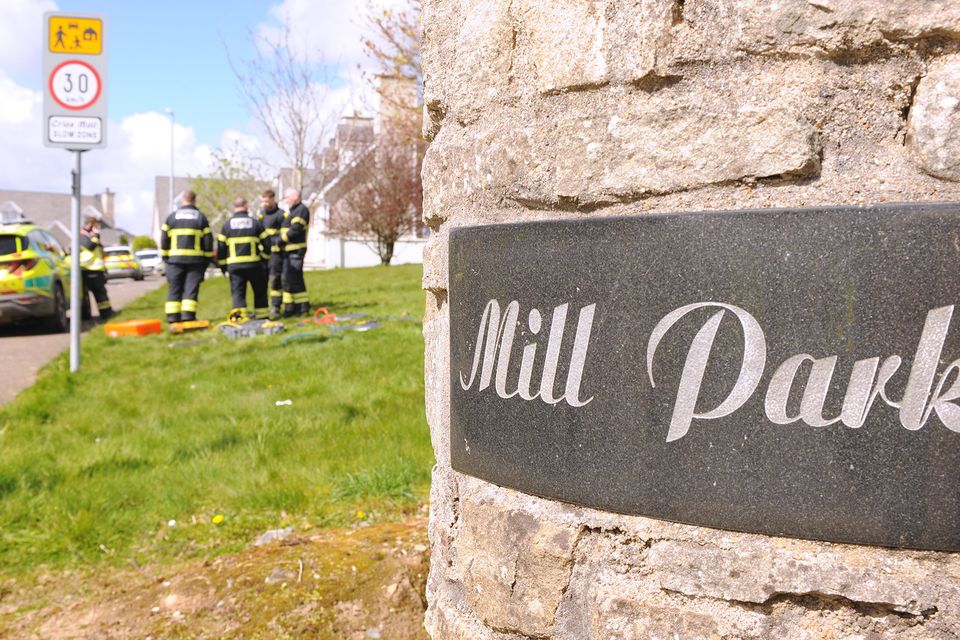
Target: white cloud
[322,31]
[18,103]
[20,55]
[330,34]
[138,149]
[138,146]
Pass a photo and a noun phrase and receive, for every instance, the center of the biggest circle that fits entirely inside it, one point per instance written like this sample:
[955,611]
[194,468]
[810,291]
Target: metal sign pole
[76,287]
[75,118]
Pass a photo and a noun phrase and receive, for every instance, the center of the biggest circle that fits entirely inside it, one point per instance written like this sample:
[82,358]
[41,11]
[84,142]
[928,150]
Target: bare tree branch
[289,97]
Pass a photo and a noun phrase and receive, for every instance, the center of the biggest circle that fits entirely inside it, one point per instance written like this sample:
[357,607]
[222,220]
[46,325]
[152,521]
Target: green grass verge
[93,467]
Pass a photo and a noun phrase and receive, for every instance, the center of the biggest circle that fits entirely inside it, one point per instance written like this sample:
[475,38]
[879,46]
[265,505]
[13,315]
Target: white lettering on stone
[751,368]
[494,346]
[863,388]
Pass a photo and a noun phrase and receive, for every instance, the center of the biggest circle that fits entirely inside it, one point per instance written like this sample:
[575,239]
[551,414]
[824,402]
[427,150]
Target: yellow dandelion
[217,519]
[359,515]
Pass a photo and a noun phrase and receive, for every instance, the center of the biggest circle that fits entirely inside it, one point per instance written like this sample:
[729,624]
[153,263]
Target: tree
[233,175]
[383,196]
[392,40]
[144,242]
[288,94]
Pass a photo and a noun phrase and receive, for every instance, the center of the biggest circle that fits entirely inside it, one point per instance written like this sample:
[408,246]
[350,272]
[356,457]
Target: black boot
[173,317]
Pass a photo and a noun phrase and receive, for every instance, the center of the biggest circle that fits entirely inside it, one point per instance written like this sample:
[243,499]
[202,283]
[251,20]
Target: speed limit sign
[75,85]
[75,76]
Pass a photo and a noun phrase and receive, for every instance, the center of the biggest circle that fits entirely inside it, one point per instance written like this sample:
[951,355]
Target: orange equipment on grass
[322,316]
[132,328]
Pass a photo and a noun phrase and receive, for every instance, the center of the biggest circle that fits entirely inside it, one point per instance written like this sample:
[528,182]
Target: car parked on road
[150,260]
[34,276]
[121,263]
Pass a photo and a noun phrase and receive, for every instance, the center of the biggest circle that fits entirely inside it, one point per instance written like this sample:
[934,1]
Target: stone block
[637,37]
[517,569]
[467,55]
[713,31]
[934,126]
[567,42]
[627,619]
[756,571]
[619,151]
[435,262]
[436,371]
[818,27]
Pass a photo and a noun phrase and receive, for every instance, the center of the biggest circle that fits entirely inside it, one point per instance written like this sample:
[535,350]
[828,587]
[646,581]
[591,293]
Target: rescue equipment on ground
[132,328]
[186,326]
[238,325]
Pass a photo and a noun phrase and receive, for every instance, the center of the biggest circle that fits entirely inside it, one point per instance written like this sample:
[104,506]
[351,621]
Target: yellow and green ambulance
[34,277]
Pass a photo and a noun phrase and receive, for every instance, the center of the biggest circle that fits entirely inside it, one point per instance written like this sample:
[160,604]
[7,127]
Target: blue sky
[164,54]
[172,54]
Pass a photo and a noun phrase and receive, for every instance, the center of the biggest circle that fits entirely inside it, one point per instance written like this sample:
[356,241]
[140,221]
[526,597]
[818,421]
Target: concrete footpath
[24,349]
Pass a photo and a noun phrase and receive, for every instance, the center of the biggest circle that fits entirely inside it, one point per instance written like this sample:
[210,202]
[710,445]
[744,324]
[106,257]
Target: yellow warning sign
[75,35]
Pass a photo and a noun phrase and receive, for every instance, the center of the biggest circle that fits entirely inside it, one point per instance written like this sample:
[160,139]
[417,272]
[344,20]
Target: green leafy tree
[144,242]
[233,175]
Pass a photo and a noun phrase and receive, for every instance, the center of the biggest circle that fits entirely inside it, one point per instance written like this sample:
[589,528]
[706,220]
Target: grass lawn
[93,468]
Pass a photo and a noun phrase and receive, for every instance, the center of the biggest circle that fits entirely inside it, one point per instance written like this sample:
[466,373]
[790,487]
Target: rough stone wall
[542,109]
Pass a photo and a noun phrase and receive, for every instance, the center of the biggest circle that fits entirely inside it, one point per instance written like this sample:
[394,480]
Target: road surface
[24,350]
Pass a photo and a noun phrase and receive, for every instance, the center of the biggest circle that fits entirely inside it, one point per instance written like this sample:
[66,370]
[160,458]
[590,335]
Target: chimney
[107,206]
[398,98]
[354,134]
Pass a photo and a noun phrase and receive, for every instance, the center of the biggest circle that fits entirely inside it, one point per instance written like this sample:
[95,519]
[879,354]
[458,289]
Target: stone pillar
[545,109]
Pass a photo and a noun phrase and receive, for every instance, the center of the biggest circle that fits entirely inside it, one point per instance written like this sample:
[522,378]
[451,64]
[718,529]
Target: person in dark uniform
[270,217]
[93,268]
[241,253]
[293,233]
[186,246]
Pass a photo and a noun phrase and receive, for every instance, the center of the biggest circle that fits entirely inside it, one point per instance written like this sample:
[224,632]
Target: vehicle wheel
[58,322]
[138,277]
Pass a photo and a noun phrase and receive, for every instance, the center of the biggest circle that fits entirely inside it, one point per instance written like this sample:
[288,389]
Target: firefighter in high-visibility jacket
[293,233]
[186,246]
[241,253]
[270,217]
[93,268]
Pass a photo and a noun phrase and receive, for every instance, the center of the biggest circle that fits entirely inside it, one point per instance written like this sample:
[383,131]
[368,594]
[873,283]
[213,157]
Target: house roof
[45,208]
[331,191]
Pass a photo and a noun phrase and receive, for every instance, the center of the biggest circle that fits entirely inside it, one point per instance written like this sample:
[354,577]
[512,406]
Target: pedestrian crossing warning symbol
[75,35]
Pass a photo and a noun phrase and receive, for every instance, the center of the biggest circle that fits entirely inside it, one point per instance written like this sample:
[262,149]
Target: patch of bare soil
[366,582]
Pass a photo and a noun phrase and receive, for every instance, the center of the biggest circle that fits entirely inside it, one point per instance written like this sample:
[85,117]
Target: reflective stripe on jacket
[271,221]
[241,241]
[185,237]
[91,253]
[293,228]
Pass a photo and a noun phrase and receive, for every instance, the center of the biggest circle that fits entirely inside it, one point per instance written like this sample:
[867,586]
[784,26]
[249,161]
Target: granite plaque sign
[790,372]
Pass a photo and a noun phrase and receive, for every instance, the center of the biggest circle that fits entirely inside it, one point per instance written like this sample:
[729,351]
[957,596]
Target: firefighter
[186,246]
[293,233]
[241,252]
[92,266]
[270,217]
